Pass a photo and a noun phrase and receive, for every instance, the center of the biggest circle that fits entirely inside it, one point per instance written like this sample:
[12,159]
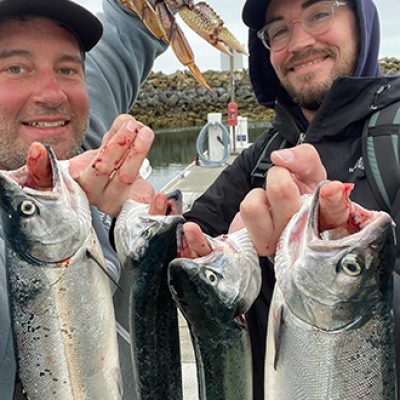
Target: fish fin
[96,259]
[278,326]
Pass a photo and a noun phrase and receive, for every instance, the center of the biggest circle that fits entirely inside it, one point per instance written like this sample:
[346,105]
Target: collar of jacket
[350,101]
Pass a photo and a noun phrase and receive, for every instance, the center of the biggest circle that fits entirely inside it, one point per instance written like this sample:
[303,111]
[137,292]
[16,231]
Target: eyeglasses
[316,19]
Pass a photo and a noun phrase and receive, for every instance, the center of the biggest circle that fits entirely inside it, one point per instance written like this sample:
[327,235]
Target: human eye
[15,69]
[278,32]
[319,13]
[68,71]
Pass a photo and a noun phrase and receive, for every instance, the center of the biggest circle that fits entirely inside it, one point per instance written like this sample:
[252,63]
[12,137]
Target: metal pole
[232,92]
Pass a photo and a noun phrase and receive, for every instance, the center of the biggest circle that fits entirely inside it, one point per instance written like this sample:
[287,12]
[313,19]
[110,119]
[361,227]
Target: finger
[256,215]
[304,162]
[158,204]
[195,243]
[129,168]
[97,175]
[119,121]
[39,167]
[80,162]
[284,198]
[126,182]
[236,224]
[334,205]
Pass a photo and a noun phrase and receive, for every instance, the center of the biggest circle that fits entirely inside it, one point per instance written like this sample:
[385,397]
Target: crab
[200,17]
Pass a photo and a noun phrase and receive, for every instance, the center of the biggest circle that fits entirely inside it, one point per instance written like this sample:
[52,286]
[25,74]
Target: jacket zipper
[301,139]
[382,89]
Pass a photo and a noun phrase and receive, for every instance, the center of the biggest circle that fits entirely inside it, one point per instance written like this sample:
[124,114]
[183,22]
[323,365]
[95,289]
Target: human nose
[49,91]
[300,38]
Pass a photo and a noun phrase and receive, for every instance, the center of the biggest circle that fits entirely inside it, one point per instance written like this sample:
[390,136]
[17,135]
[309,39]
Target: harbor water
[173,150]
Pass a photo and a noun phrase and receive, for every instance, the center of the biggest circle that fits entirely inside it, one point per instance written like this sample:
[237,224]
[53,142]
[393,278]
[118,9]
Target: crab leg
[203,19]
[179,43]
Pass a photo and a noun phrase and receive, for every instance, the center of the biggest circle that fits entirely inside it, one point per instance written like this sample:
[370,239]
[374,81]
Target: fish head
[332,280]
[219,287]
[139,235]
[44,226]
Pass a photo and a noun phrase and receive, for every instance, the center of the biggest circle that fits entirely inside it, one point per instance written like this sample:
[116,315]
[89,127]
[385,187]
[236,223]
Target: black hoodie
[336,134]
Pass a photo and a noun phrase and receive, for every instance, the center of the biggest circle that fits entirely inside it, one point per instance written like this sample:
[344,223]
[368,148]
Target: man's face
[43,95]
[308,66]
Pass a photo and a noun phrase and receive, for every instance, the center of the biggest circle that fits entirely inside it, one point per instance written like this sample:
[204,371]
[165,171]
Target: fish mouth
[19,179]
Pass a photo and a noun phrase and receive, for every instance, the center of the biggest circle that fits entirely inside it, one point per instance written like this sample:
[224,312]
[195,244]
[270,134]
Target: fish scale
[60,295]
[331,326]
[213,292]
[145,245]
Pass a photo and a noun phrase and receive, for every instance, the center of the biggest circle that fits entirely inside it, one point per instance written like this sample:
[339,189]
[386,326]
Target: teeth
[47,124]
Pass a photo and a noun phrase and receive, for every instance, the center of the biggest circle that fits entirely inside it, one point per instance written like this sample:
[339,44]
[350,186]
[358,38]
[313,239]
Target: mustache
[48,112]
[305,55]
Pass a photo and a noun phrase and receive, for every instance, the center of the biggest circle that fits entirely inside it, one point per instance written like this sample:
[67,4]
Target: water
[172,151]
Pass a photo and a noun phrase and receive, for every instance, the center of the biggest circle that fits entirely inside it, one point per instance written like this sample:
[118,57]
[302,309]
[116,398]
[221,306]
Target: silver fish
[330,330]
[60,296]
[145,245]
[213,293]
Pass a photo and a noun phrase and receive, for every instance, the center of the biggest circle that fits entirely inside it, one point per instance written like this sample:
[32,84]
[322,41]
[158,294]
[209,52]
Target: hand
[109,176]
[195,243]
[297,171]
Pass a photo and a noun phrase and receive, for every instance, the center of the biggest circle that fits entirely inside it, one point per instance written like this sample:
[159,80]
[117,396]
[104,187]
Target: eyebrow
[12,53]
[25,53]
[304,5]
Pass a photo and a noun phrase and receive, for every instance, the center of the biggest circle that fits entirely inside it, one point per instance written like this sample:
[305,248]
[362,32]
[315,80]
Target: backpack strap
[381,153]
[274,142]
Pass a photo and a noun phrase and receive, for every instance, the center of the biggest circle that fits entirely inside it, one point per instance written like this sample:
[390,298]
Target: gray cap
[82,23]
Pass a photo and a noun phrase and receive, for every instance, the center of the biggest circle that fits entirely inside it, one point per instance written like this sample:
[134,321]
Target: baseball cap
[254,12]
[81,22]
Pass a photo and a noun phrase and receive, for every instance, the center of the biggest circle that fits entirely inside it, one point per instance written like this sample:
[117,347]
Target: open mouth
[46,124]
[305,65]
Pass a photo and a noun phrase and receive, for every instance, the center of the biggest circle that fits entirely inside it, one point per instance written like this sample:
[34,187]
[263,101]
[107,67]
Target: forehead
[283,8]
[32,31]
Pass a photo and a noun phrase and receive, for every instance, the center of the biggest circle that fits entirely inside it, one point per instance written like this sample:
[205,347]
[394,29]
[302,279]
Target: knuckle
[282,188]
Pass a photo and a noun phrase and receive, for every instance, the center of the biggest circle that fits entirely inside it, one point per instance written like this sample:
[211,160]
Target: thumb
[39,167]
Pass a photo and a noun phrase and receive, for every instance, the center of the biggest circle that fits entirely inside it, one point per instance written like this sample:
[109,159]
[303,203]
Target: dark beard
[309,99]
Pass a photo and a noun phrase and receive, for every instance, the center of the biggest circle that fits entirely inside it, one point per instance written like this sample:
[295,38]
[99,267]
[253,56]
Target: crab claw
[145,11]
[179,43]
[209,25]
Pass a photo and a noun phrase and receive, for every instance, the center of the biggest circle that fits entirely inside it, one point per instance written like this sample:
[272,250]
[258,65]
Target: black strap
[275,142]
[381,154]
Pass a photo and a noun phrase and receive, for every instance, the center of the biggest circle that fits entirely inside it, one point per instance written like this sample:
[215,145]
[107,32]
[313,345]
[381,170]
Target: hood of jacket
[266,85]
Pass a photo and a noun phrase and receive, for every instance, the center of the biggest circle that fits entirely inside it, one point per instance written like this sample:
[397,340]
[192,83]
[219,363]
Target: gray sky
[207,57]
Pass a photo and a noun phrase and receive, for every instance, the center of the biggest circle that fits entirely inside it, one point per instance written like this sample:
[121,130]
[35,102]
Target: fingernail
[284,155]
[131,126]
[146,134]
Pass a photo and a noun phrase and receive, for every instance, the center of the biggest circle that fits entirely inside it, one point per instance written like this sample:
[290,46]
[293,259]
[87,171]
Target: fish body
[213,293]
[61,300]
[330,330]
[146,244]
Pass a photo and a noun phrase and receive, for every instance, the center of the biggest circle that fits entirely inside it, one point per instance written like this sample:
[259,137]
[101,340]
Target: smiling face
[308,66]
[43,95]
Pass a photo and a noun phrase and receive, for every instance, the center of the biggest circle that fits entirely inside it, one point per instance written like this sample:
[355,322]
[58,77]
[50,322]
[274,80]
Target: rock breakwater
[176,100]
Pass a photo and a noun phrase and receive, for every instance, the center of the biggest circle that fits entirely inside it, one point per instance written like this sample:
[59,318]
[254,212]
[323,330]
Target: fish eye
[28,208]
[212,278]
[351,265]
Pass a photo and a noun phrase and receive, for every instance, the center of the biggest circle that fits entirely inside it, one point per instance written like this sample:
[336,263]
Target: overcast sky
[207,57]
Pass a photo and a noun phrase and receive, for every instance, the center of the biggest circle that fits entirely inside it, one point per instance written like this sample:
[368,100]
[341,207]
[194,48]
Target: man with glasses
[316,64]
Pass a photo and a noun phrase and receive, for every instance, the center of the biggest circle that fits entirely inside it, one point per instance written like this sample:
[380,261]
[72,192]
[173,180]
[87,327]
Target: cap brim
[253,14]
[86,26]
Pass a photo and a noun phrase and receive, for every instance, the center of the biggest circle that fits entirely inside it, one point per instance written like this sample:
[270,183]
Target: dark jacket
[336,134]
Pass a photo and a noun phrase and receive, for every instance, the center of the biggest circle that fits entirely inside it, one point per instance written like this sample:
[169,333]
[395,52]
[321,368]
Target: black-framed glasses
[316,19]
